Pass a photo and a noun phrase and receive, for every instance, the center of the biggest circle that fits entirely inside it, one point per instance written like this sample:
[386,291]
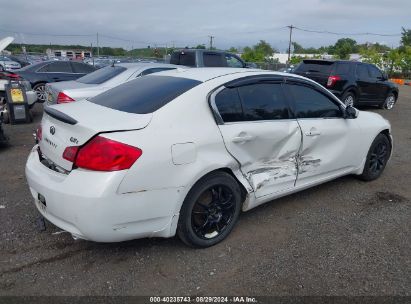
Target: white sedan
[184,151]
[101,80]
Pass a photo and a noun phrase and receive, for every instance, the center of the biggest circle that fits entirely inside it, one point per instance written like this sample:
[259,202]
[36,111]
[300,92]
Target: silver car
[9,64]
[101,80]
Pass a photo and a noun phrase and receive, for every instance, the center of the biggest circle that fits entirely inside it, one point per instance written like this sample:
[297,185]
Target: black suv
[206,58]
[355,83]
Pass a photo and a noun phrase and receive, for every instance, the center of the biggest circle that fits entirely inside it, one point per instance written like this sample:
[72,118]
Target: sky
[237,23]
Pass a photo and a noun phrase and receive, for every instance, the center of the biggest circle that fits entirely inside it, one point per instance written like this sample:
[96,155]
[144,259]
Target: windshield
[144,95]
[102,75]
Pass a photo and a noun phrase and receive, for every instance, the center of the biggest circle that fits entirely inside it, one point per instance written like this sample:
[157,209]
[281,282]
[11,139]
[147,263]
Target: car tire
[349,99]
[210,210]
[377,158]
[389,102]
[40,89]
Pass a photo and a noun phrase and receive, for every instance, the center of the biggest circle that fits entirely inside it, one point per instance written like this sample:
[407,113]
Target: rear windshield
[102,75]
[144,95]
[183,58]
[323,67]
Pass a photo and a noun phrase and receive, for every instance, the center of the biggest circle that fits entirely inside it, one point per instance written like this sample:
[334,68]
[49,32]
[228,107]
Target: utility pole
[98,49]
[289,43]
[211,42]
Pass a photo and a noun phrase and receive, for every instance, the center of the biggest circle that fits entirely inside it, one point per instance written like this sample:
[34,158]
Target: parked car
[184,151]
[355,83]
[52,71]
[21,59]
[7,64]
[99,81]
[206,58]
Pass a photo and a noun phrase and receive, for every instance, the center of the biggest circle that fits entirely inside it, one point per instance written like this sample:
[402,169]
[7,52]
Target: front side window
[374,72]
[310,103]
[233,62]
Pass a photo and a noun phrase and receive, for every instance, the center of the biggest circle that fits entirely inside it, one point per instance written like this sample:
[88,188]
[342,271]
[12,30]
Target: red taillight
[70,153]
[39,133]
[332,80]
[8,75]
[63,98]
[103,154]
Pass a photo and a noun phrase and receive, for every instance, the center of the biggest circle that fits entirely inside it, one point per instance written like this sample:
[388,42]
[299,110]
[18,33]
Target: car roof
[206,74]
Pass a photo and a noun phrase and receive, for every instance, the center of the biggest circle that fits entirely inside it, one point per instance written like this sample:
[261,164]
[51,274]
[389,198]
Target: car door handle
[313,132]
[242,139]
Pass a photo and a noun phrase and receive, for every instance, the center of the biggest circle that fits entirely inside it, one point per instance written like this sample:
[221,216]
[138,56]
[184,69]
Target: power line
[346,34]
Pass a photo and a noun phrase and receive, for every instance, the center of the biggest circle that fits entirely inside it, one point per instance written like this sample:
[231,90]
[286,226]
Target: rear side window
[82,68]
[183,58]
[61,67]
[310,103]
[229,105]
[362,71]
[374,72]
[343,68]
[102,75]
[213,60]
[144,95]
[322,67]
[264,101]
[57,67]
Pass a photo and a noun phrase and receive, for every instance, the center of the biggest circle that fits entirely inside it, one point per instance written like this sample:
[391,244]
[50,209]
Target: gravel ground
[346,237]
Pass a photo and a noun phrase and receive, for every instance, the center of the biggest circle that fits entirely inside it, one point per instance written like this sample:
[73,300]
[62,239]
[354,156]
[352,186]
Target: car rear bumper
[86,204]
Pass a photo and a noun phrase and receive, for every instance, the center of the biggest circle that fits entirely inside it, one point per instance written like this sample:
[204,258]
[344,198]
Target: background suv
[355,83]
[206,58]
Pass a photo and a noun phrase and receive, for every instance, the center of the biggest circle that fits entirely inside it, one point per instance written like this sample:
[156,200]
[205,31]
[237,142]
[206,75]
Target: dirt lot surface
[346,237]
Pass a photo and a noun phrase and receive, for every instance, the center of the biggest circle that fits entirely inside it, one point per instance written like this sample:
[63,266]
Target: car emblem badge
[52,130]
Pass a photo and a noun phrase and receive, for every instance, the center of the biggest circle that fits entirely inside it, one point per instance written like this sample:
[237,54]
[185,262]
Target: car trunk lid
[76,123]
[53,89]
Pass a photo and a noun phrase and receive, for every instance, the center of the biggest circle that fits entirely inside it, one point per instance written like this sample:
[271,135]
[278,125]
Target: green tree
[406,37]
[258,53]
[233,50]
[298,48]
[201,46]
[344,47]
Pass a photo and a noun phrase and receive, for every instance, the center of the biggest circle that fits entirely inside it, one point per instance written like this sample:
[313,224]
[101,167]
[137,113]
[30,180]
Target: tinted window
[343,68]
[213,60]
[374,72]
[102,75]
[82,68]
[183,58]
[144,95]
[59,67]
[362,71]
[233,61]
[310,103]
[323,67]
[154,70]
[229,105]
[263,102]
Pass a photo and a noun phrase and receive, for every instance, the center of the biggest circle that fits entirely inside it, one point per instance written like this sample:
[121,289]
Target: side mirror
[351,112]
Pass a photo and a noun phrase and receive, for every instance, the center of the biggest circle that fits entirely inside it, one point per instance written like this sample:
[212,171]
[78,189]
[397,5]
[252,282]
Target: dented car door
[329,142]
[260,133]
